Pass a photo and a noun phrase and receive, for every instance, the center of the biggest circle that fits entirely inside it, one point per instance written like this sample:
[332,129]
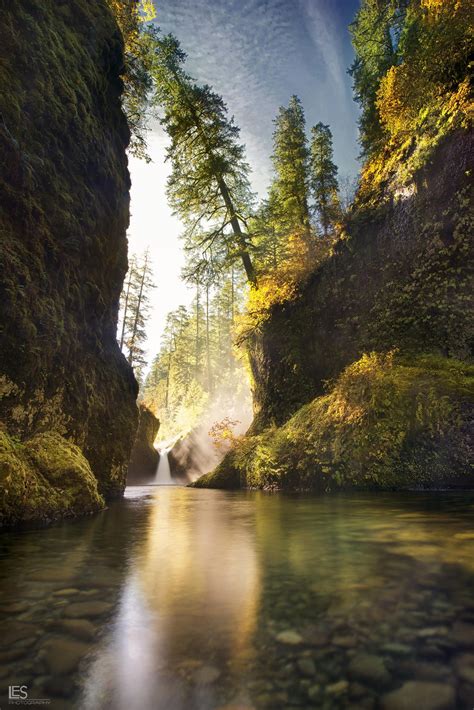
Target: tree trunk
[125,308]
[208,348]
[244,254]
[196,355]
[232,297]
[137,312]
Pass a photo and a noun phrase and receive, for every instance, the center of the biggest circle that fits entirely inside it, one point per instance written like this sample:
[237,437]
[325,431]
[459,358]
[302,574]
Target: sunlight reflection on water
[181,599]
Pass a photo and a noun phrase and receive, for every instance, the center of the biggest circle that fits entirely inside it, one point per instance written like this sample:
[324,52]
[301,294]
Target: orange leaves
[222,434]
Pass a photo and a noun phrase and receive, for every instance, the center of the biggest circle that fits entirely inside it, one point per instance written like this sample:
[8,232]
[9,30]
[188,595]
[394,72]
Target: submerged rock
[291,638]
[464,667]
[63,655]
[90,610]
[337,688]
[420,695]
[369,669]
[462,634]
[206,675]
[79,628]
[306,667]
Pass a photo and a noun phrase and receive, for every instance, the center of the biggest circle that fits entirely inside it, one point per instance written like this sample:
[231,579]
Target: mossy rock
[389,422]
[44,479]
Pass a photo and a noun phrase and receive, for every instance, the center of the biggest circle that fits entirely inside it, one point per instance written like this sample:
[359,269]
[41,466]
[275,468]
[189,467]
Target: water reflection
[191,594]
[203,600]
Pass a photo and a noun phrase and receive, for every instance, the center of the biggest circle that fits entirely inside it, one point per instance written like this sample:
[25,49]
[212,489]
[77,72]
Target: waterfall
[163,473]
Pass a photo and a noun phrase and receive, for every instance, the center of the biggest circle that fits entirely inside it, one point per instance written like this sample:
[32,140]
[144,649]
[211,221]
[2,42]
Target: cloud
[328,40]
[255,53]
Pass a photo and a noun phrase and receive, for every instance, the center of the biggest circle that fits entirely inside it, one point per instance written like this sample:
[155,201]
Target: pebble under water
[181,599]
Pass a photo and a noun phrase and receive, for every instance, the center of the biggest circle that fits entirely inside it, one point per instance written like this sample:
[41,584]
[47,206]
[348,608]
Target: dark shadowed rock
[370,670]
[67,394]
[145,457]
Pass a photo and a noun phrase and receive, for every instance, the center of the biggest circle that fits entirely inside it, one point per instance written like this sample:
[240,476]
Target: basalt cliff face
[145,458]
[401,279]
[67,394]
[366,378]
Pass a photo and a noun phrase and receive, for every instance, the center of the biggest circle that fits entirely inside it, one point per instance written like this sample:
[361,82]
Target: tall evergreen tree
[208,187]
[324,178]
[289,190]
[135,300]
[126,301]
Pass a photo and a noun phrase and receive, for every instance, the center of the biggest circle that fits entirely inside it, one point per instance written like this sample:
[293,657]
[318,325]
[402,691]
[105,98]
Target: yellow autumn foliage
[282,284]
[427,94]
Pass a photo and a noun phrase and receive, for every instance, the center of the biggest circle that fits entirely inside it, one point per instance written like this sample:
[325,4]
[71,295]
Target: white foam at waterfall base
[163,473]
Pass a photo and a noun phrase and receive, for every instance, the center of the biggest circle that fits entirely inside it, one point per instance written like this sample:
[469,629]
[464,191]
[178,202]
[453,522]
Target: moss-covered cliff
[401,278]
[67,394]
[364,379]
[388,422]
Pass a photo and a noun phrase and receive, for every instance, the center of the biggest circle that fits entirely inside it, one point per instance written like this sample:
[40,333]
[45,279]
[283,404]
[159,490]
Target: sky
[256,54]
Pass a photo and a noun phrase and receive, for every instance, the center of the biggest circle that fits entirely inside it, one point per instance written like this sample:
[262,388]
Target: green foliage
[387,422]
[130,16]
[412,79]
[135,311]
[324,182]
[430,307]
[208,187]
[289,192]
[377,25]
[286,226]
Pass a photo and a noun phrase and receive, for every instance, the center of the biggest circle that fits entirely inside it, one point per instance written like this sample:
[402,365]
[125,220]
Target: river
[182,599]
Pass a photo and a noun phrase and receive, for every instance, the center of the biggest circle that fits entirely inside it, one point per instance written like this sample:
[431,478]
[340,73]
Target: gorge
[263,501]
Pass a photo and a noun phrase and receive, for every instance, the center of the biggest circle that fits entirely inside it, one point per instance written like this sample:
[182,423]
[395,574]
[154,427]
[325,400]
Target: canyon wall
[365,379]
[67,393]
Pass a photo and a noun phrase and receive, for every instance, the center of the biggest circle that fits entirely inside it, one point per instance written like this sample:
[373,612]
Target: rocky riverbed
[185,599]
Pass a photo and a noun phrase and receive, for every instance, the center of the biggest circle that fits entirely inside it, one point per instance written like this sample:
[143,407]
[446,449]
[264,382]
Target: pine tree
[208,187]
[125,301]
[135,301]
[269,239]
[324,178]
[289,190]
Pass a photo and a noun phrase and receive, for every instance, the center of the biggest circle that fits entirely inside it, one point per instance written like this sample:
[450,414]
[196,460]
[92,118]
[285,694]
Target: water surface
[180,599]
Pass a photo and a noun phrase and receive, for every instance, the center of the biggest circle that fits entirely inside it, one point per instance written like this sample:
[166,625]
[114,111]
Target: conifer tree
[289,190]
[375,34]
[324,178]
[135,300]
[208,187]
[125,301]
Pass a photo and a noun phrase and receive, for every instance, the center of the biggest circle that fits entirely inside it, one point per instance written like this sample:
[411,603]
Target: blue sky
[256,54]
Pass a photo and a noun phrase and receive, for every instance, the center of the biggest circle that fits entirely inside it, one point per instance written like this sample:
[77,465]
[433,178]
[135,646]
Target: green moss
[64,197]
[388,422]
[44,479]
